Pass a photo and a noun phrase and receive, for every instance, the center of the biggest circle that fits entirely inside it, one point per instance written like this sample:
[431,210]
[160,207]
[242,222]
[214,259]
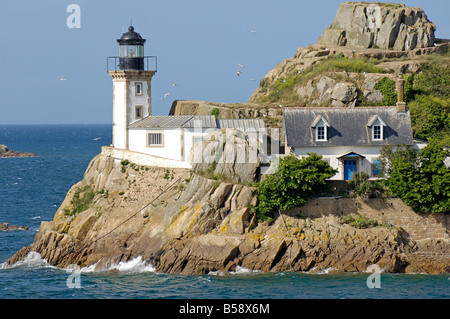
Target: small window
[138,89]
[377,132]
[376,167]
[138,111]
[154,139]
[321,134]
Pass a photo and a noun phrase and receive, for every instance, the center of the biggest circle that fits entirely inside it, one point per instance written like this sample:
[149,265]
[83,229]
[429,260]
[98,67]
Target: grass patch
[81,201]
[283,88]
[359,222]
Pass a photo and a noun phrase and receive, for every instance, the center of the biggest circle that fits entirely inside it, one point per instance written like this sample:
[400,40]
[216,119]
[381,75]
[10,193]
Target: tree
[429,115]
[295,181]
[420,179]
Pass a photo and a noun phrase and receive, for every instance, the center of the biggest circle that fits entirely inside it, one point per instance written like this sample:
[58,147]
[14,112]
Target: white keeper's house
[139,136]
[349,138]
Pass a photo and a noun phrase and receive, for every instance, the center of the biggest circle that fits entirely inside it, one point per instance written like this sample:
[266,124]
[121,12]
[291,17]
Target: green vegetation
[215,112]
[283,88]
[362,187]
[387,87]
[430,118]
[81,201]
[419,178]
[359,222]
[295,181]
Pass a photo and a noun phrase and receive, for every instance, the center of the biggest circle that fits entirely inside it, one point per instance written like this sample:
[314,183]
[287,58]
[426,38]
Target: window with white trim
[321,133]
[155,139]
[377,132]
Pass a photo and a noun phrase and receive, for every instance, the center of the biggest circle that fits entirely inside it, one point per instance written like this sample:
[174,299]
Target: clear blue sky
[199,44]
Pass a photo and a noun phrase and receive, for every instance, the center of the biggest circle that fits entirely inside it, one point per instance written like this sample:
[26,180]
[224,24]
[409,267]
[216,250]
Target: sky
[54,74]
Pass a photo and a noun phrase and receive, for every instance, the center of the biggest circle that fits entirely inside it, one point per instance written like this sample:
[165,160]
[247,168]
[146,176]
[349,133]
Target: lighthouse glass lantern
[131,50]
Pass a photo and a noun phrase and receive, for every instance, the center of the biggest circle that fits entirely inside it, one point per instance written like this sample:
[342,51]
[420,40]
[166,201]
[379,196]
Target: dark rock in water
[5,226]
[6,152]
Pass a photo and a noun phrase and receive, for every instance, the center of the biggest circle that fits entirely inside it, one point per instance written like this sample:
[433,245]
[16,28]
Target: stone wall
[392,211]
[142,159]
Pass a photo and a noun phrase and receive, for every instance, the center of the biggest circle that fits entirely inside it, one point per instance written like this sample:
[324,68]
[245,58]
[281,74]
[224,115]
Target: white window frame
[324,133]
[380,138]
[161,138]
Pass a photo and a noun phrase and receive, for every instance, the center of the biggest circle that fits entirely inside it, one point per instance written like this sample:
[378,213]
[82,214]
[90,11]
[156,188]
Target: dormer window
[321,134]
[320,126]
[377,132]
[376,126]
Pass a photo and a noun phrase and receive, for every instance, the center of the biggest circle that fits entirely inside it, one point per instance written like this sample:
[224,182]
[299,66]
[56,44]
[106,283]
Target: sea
[32,189]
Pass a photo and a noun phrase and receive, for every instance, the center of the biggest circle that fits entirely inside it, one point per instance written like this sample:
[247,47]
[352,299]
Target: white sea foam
[326,271]
[238,271]
[32,260]
[136,265]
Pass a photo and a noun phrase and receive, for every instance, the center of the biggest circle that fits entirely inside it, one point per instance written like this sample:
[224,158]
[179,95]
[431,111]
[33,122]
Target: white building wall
[331,153]
[189,135]
[120,114]
[135,100]
[170,149]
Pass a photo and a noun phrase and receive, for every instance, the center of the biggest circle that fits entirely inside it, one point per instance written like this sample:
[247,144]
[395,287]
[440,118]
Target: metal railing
[113,63]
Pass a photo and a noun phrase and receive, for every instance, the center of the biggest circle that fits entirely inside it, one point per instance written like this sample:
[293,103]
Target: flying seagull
[239,73]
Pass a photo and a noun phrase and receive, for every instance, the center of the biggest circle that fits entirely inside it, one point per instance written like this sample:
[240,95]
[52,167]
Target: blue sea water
[31,190]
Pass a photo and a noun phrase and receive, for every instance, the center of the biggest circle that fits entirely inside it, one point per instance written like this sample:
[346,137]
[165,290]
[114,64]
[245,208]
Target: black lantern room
[131,50]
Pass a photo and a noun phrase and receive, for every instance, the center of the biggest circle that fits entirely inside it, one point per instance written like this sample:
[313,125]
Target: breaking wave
[238,271]
[32,260]
[136,265]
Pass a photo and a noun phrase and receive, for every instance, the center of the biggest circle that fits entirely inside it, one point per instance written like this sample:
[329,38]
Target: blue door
[349,168]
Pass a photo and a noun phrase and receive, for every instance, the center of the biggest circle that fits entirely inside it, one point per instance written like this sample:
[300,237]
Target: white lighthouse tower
[131,73]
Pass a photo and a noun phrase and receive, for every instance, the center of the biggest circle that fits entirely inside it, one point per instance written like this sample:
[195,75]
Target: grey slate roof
[348,126]
[243,124]
[207,121]
[174,121]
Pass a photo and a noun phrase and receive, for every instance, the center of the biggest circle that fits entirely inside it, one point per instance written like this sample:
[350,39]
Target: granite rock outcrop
[379,25]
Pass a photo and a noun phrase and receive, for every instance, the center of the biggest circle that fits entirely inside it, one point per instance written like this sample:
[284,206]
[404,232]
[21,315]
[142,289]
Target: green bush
[429,115]
[215,112]
[295,181]
[387,87]
[81,201]
[420,179]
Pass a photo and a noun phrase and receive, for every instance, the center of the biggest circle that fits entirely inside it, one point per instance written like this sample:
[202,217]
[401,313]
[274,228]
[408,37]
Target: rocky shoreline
[183,222]
[6,152]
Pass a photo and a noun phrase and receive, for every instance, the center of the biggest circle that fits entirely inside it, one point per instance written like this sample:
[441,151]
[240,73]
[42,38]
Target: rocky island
[200,220]
[6,152]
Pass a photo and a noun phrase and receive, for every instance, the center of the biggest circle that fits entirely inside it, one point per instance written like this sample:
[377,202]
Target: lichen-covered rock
[190,224]
[378,25]
[228,154]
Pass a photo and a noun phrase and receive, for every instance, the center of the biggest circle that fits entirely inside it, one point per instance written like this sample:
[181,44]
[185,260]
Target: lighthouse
[131,73]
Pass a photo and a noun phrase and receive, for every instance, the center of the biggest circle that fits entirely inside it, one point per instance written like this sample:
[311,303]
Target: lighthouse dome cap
[131,37]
